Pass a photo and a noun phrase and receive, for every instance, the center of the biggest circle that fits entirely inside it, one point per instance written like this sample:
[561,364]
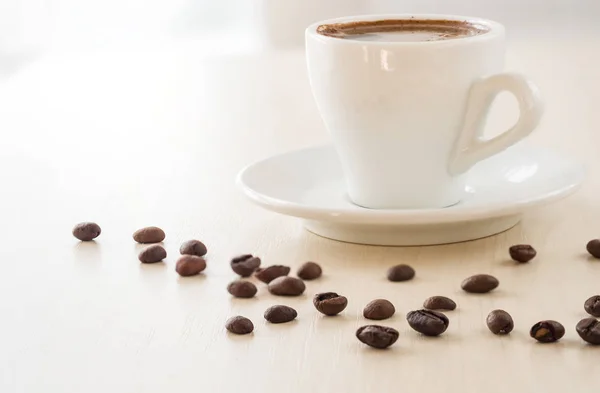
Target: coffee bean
[193,247]
[242,288]
[270,273]
[190,265]
[427,322]
[239,325]
[400,273]
[547,331]
[149,235]
[152,254]
[592,306]
[593,247]
[330,303]
[287,286]
[280,314]
[86,231]
[309,271]
[376,336]
[522,253]
[499,322]
[439,303]
[245,265]
[379,309]
[480,283]
[589,330]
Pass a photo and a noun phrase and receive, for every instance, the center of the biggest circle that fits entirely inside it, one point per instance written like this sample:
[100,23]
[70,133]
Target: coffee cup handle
[471,147]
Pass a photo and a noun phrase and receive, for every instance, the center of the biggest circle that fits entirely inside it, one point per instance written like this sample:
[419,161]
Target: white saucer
[309,184]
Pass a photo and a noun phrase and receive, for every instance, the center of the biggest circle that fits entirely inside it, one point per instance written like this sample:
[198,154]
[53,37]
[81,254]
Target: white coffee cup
[407,118]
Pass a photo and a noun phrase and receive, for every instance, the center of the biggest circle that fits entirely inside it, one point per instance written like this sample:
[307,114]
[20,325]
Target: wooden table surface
[156,136]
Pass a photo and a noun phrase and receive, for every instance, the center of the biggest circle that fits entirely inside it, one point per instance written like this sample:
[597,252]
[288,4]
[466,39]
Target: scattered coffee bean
[239,325]
[522,253]
[242,288]
[592,306]
[309,271]
[86,231]
[379,309]
[499,322]
[330,303]
[287,286]
[270,273]
[149,235]
[427,322]
[593,247]
[193,247]
[400,273]
[547,331]
[152,254]
[480,283]
[190,265]
[245,265]
[589,330]
[376,336]
[280,314]
[439,303]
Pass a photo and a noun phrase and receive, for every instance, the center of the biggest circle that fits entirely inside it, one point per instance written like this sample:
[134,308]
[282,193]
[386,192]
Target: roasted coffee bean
[193,247]
[589,330]
[592,306]
[239,325]
[149,235]
[309,271]
[427,322]
[499,322]
[376,336]
[547,331]
[439,303]
[522,253]
[270,273]
[400,273]
[190,265]
[280,314]
[152,254]
[245,265]
[379,309]
[287,286]
[242,288]
[593,247]
[86,231]
[480,283]
[330,303]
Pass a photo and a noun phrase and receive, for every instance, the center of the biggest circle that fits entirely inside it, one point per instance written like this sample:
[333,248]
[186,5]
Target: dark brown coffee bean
[245,265]
[522,253]
[592,306]
[547,331]
[190,265]
[239,325]
[152,254]
[149,235]
[480,283]
[280,314]
[270,273]
[400,273]
[428,322]
[242,288]
[309,271]
[379,309]
[86,231]
[439,303]
[376,336]
[499,322]
[593,247]
[330,303]
[589,330]
[287,286]
[193,247]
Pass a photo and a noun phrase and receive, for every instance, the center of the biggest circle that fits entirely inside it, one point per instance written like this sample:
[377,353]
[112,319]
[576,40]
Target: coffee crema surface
[403,30]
